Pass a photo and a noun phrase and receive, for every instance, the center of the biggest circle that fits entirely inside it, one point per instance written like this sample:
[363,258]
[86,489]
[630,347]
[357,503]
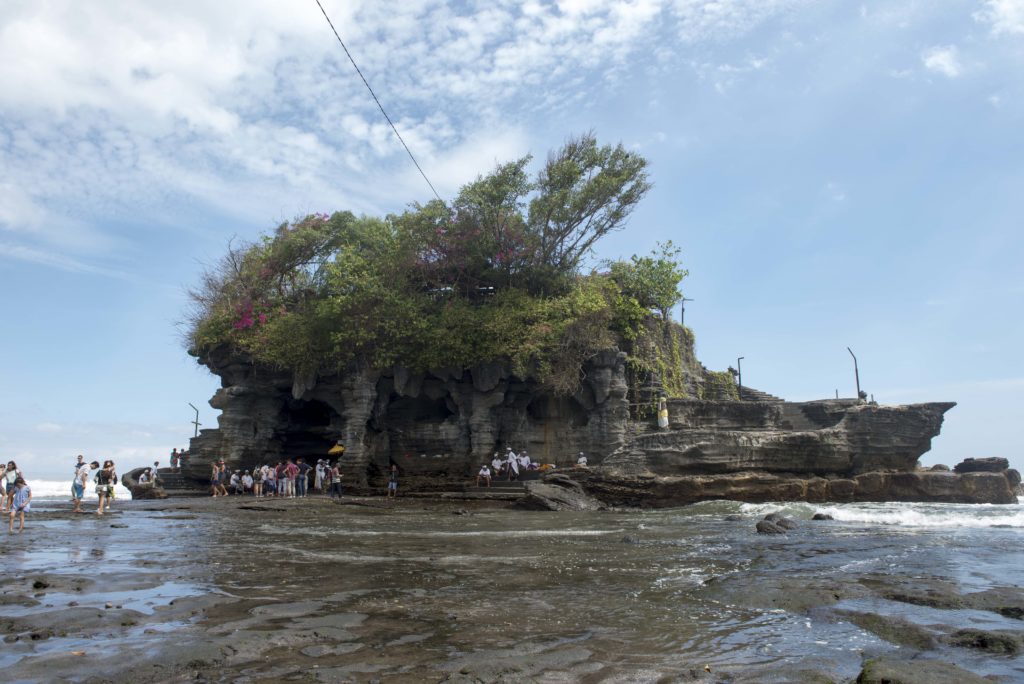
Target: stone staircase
[177,485]
[751,394]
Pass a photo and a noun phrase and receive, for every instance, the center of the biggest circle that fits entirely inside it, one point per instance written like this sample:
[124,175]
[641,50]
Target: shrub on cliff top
[494,275]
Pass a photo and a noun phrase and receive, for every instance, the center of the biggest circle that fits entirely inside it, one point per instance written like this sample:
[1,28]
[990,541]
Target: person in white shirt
[484,474]
[236,482]
[582,460]
[497,465]
[524,461]
[247,482]
[512,462]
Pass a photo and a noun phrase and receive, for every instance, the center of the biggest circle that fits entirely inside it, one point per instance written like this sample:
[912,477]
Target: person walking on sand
[10,476]
[79,463]
[222,478]
[393,482]
[20,505]
[104,484]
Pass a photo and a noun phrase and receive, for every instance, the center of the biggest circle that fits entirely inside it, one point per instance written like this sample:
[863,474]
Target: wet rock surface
[221,590]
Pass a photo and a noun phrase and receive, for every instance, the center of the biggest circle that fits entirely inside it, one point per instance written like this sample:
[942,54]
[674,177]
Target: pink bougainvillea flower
[263,318]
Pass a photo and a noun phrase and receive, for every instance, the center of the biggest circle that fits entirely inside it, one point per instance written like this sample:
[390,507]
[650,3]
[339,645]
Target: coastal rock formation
[144,490]
[439,426]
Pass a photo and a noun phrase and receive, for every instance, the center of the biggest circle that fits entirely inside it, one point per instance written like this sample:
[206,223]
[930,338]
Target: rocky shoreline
[147,605]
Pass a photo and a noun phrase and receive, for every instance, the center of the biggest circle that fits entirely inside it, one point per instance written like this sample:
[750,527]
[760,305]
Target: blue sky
[838,174]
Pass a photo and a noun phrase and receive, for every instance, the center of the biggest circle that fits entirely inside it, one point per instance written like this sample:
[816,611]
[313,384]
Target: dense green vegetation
[495,274]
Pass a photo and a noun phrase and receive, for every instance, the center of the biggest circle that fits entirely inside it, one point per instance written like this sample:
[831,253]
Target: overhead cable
[375,99]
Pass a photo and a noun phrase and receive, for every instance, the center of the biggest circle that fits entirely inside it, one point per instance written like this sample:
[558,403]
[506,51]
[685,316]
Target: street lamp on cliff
[856,371]
[682,310]
[739,377]
[196,421]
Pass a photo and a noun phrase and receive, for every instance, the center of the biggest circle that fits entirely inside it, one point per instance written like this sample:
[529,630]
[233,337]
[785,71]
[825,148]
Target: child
[20,505]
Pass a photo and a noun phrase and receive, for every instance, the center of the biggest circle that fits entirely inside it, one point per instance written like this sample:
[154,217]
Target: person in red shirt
[291,471]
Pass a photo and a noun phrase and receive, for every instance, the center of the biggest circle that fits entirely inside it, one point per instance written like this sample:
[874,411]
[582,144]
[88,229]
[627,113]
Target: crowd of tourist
[290,478]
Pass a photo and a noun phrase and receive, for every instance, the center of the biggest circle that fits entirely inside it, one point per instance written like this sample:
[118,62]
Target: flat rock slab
[919,671]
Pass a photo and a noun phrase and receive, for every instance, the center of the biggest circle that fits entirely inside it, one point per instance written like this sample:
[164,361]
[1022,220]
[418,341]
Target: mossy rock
[896,671]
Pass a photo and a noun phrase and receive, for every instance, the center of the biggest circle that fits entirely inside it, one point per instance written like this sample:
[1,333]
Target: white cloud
[49,427]
[1005,16]
[943,59]
[125,108]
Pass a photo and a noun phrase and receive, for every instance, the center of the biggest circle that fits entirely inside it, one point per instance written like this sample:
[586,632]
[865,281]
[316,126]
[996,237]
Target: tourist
[235,482]
[78,488]
[3,488]
[302,479]
[144,477]
[10,476]
[104,484]
[257,482]
[113,486]
[222,478]
[78,466]
[282,480]
[291,472]
[512,463]
[269,481]
[497,465]
[484,474]
[581,462]
[248,482]
[155,471]
[174,460]
[318,479]
[393,482]
[20,504]
[214,479]
[182,456]
[335,473]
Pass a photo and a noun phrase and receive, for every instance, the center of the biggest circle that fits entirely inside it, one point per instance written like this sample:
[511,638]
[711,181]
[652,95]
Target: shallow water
[572,595]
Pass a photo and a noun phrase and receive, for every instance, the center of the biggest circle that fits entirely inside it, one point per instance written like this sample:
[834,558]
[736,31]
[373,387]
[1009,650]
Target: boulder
[769,527]
[982,465]
[939,468]
[557,493]
[822,516]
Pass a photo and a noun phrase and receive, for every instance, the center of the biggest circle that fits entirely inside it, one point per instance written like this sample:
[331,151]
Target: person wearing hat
[497,465]
[582,460]
[484,474]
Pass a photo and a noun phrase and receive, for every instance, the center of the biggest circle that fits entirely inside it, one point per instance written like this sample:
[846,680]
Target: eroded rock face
[440,424]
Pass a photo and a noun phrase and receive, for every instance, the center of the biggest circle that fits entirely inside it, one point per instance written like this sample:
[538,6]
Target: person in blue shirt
[20,505]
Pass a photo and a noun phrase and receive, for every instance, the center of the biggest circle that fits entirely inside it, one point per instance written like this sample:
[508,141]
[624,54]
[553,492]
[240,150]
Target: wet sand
[238,590]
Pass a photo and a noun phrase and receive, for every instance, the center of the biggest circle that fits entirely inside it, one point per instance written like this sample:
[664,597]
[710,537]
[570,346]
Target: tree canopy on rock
[494,275]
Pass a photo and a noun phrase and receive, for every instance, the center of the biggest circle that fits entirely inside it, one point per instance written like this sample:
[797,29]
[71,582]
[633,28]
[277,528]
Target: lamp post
[196,421]
[682,310]
[856,371]
[739,376]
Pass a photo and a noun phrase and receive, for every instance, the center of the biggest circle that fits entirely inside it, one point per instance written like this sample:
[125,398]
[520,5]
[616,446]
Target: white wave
[61,489]
[903,514]
[930,515]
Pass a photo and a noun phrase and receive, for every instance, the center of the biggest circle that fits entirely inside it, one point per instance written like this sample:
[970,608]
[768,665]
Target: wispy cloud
[943,59]
[112,110]
[1005,16]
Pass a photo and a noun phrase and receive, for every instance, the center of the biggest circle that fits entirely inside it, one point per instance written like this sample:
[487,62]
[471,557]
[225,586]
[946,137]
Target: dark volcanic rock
[998,642]
[982,465]
[822,516]
[769,527]
[146,490]
[895,630]
[939,468]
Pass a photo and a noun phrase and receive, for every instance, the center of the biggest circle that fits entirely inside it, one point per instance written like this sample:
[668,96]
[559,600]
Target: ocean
[420,591]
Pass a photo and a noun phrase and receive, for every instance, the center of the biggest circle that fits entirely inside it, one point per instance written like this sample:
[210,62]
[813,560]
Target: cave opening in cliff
[563,409]
[309,433]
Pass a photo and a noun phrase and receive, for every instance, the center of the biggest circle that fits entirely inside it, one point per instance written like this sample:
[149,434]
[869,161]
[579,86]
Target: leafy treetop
[494,275]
